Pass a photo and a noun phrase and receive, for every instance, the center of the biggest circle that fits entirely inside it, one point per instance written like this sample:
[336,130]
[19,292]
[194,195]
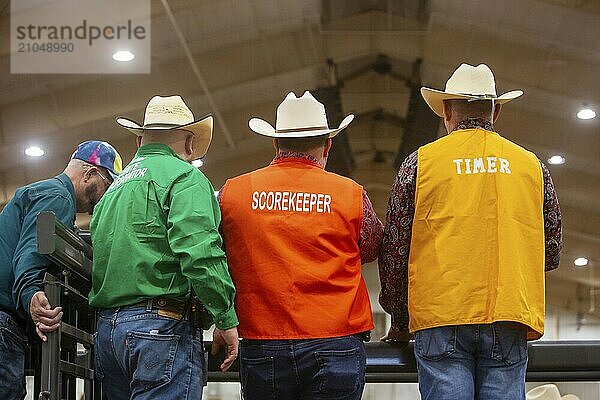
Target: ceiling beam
[198,74]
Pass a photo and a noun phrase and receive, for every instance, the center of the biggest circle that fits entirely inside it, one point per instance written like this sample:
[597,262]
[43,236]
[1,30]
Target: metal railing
[67,354]
[549,361]
[68,282]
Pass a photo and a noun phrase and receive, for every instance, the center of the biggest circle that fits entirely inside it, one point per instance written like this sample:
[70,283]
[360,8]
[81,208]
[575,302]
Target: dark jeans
[13,345]
[466,362]
[142,355]
[314,369]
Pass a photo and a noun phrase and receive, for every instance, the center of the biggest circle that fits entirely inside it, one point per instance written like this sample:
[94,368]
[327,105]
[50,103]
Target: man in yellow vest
[473,223]
[295,238]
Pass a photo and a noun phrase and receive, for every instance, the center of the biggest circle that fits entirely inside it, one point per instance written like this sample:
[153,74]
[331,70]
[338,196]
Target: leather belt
[165,306]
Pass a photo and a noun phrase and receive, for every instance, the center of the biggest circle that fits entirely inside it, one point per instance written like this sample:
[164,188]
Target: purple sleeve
[371,232]
[393,256]
[552,222]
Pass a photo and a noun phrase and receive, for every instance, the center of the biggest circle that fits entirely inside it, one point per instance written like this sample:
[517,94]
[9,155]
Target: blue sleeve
[29,265]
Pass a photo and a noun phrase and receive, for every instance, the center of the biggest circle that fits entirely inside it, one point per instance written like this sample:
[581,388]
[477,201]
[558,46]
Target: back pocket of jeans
[510,342]
[152,357]
[18,338]
[339,373]
[436,343]
[257,377]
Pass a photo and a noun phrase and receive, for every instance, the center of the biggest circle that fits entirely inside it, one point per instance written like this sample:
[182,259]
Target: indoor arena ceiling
[374,53]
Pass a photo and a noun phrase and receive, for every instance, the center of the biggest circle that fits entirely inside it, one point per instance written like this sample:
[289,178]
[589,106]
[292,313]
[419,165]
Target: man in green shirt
[155,236]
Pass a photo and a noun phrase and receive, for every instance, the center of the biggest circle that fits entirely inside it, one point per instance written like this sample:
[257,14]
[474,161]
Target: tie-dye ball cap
[100,154]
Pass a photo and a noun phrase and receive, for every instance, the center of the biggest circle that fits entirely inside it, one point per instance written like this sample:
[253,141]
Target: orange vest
[477,247]
[291,234]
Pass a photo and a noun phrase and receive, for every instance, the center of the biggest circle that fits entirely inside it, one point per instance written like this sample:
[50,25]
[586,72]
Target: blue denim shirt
[21,266]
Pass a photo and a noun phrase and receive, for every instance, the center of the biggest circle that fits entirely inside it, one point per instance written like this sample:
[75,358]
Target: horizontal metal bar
[218,376]
[81,336]
[563,361]
[78,297]
[76,370]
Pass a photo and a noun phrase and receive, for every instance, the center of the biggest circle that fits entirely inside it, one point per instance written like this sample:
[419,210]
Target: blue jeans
[142,355]
[466,362]
[13,344]
[311,369]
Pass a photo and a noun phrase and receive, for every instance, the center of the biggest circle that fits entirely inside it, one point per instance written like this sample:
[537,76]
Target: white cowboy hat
[467,82]
[548,392]
[167,113]
[299,117]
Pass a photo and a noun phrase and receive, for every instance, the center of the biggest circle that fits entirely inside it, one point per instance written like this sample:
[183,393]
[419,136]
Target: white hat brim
[202,129]
[435,98]
[264,128]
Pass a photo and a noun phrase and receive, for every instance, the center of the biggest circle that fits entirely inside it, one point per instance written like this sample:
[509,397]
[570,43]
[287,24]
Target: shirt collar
[475,123]
[285,156]
[66,181]
[156,148]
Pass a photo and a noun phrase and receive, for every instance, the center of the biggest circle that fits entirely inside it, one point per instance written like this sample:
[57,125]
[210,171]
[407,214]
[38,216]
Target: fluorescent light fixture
[123,56]
[586,113]
[34,151]
[556,160]
[197,163]
[581,262]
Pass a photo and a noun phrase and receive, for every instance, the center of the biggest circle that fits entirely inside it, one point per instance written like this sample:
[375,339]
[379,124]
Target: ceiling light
[581,262]
[34,151]
[556,160]
[586,113]
[197,163]
[123,55]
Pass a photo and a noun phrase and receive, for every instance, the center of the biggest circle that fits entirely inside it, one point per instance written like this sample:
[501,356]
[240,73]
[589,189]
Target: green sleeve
[193,220]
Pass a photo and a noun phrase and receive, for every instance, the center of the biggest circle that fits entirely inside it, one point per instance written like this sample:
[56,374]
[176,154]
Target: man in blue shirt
[92,168]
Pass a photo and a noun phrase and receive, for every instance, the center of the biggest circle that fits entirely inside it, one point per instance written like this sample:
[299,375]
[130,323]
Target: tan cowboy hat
[299,117]
[467,82]
[548,392]
[168,113]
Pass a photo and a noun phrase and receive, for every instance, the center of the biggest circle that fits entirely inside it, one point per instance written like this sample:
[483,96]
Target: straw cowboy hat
[169,113]
[299,117]
[548,392]
[467,82]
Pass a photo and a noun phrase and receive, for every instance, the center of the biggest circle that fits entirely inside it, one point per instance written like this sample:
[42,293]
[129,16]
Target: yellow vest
[477,248]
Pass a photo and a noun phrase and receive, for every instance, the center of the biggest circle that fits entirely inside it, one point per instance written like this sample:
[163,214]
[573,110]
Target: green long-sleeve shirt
[155,233]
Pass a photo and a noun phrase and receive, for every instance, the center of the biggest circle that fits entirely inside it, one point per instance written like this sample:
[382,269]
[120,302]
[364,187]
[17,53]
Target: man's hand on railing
[397,337]
[229,339]
[45,318]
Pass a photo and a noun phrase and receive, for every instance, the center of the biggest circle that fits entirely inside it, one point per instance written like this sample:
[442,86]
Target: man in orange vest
[295,238]
[473,223]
